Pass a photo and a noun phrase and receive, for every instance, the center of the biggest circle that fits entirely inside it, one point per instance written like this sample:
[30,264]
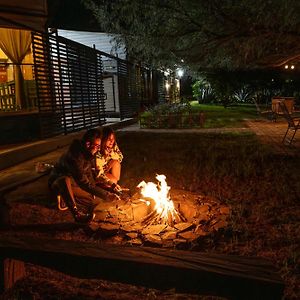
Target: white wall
[103,41]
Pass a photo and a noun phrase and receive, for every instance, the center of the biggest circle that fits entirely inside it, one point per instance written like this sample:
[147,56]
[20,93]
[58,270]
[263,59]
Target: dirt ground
[264,219]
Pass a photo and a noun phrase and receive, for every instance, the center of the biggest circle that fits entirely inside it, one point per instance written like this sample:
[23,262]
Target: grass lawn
[217,116]
[263,190]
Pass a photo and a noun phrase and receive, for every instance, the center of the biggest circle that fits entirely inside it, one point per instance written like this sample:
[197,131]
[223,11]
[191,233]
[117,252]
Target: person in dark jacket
[73,177]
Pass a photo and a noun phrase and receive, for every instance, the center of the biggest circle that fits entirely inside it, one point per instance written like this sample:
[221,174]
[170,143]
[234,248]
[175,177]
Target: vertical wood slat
[70,88]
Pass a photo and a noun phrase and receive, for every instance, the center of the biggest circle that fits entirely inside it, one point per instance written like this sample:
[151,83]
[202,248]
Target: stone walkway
[271,134]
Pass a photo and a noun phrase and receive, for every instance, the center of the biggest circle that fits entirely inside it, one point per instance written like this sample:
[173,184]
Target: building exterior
[59,85]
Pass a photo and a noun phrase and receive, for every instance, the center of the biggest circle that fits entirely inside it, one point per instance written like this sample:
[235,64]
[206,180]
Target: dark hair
[106,132]
[91,135]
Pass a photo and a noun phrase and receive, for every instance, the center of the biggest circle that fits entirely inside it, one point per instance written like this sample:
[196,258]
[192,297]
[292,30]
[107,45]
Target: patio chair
[293,123]
[269,114]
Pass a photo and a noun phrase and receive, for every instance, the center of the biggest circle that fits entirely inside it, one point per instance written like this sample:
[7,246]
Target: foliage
[167,108]
[244,95]
[205,34]
[215,116]
[229,87]
[202,91]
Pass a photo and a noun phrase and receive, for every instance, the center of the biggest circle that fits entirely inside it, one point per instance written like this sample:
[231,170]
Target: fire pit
[155,215]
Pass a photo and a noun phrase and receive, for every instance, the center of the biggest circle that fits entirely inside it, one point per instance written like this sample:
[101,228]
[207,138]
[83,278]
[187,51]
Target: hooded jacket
[79,164]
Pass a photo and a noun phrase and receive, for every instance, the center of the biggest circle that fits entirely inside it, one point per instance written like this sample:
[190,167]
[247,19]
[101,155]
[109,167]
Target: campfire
[155,215]
[164,211]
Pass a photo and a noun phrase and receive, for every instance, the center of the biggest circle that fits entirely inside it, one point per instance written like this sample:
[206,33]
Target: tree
[228,34]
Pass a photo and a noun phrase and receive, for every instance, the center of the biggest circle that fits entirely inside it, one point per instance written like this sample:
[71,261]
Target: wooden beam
[189,272]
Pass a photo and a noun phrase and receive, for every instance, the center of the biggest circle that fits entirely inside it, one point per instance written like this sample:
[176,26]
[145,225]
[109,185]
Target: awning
[24,14]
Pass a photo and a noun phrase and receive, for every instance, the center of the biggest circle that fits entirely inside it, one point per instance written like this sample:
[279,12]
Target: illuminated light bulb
[286,66]
[180,72]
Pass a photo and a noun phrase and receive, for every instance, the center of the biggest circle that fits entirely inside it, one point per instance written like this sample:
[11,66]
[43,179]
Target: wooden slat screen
[128,93]
[69,85]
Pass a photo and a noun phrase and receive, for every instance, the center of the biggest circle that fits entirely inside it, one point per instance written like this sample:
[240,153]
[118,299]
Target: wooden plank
[13,271]
[31,177]
[189,272]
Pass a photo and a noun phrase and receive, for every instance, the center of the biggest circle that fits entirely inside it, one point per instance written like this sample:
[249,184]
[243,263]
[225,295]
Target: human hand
[115,188]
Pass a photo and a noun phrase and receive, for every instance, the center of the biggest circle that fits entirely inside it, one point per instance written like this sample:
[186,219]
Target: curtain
[15,44]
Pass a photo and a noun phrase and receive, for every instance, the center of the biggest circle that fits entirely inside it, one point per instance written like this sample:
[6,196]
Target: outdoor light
[286,66]
[180,72]
[292,67]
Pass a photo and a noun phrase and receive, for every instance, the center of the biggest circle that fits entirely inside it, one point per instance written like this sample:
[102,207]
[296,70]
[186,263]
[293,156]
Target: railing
[7,96]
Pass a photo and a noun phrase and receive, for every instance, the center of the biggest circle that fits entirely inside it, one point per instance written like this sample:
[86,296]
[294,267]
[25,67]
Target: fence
[78,87]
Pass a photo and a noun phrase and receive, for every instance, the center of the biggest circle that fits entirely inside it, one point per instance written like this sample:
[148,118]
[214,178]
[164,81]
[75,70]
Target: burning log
[149,217]
[157,218]
[164,210]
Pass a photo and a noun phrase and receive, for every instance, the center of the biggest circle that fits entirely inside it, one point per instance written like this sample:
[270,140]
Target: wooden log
[12,271]
[189,272]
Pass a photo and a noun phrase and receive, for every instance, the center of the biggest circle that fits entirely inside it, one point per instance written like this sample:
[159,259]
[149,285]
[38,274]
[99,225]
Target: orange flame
[160,194]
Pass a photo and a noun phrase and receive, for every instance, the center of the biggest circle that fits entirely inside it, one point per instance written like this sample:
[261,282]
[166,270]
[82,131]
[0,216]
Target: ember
[164,210]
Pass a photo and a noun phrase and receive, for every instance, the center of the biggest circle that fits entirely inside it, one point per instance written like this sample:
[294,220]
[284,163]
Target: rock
[188,210]
[183,226]
[132,235]
[179,241]
[203,209]
[135,242]
[167,243]
[153,238]
[154,229]
[94,226]
[131,227]
[199,231]
[100,215]
[109,226]
[188,235]
[140,211]
[169,235]
[202,219]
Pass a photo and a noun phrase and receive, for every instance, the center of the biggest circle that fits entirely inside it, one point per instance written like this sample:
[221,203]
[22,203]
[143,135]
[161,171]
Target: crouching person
[73,177]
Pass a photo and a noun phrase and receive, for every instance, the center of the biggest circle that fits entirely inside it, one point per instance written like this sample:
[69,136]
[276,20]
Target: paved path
[136,128]
[271,133]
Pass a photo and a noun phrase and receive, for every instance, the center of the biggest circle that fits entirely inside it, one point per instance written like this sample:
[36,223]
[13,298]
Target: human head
[92,140]
[108,138]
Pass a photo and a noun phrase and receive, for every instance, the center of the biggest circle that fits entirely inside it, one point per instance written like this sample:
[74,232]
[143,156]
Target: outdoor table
[289,102]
